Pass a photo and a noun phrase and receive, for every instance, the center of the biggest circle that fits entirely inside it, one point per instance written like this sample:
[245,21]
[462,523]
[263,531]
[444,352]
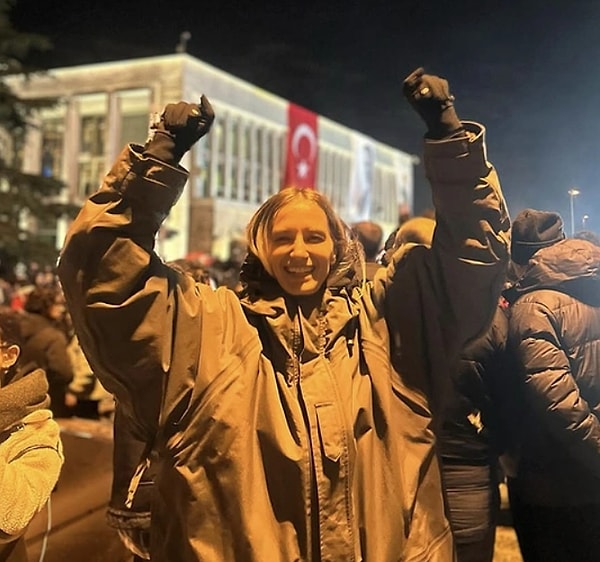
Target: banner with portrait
[362,178]
[404,171]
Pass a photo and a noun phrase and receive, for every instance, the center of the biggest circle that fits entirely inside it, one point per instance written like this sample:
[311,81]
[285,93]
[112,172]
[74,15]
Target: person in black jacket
[470,442]
[470,437]
[554,334]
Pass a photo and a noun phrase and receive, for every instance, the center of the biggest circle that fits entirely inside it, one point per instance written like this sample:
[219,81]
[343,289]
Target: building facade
[101,107]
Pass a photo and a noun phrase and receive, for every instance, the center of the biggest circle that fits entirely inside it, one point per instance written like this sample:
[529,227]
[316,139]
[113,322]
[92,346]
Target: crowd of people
[345,398]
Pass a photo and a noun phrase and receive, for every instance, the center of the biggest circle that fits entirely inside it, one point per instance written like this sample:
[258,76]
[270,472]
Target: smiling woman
[292,420]
[292,235]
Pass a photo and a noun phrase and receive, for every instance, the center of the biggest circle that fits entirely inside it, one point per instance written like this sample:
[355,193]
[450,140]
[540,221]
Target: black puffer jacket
[555,336]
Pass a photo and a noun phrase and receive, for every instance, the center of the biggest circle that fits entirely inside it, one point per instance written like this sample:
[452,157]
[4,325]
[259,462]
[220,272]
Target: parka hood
[325,314]
[571,266]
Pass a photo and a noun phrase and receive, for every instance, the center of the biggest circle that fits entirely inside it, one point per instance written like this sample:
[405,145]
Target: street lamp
[584,220]
[573,192]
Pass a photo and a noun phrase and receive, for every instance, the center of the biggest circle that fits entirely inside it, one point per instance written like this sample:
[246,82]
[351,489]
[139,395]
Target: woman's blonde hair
[261,224]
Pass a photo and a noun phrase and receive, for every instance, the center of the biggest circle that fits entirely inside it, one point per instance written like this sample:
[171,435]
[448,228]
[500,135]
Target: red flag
[302,148]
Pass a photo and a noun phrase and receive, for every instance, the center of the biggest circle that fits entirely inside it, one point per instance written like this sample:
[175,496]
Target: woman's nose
[299,247]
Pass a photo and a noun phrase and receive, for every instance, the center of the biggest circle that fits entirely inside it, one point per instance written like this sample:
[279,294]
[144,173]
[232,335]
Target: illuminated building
[232,170]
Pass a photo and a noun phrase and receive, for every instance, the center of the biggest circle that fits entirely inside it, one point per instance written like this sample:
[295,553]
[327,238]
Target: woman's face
[300,248]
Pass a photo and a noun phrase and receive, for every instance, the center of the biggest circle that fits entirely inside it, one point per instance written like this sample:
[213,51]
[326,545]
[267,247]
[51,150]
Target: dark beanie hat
[532,230]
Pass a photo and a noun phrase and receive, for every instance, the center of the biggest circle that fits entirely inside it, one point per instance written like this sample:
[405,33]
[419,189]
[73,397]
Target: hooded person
[554,340]
[30,448]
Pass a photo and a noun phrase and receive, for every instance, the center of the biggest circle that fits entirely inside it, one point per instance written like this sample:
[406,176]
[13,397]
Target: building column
[32,152]
[113,129]
[70,164]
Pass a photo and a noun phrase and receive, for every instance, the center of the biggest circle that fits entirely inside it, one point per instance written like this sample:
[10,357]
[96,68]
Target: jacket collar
[571,266]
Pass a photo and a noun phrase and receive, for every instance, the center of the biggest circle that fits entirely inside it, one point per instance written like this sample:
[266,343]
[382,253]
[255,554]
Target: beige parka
[284,431]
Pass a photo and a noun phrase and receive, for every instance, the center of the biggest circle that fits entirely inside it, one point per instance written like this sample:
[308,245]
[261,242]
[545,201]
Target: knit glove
[180,126]
[431,98]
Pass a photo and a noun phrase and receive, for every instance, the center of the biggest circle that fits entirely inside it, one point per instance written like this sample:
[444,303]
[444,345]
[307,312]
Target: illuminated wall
[100,107]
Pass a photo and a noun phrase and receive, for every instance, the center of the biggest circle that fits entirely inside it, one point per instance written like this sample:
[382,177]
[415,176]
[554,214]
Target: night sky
[529,70]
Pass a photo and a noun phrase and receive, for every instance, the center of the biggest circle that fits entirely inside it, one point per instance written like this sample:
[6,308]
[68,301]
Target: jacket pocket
[330,430]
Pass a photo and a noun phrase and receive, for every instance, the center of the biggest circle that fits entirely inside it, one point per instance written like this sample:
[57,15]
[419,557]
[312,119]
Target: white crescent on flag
[304,131]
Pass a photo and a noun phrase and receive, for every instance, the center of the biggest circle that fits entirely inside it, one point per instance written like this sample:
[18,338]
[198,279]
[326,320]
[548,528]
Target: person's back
[45,343]
[86,396]
[555,338]
[370,236]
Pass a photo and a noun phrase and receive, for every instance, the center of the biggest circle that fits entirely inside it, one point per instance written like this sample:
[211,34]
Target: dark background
[529,70]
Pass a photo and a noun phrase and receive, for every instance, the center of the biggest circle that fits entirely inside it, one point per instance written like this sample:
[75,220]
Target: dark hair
[370,235]
[41,300]
[10,327]
[10,334]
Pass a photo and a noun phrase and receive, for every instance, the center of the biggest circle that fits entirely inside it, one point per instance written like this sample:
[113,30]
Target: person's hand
[431,98]
[180,126]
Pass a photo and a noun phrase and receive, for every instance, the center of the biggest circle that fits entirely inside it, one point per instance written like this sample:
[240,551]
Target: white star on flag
[303,168]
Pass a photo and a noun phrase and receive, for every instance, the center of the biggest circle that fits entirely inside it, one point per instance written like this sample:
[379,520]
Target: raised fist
[431,98]
[181,125]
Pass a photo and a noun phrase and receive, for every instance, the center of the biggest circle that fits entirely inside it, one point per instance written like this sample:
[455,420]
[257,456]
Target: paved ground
[79,532]
[507,549]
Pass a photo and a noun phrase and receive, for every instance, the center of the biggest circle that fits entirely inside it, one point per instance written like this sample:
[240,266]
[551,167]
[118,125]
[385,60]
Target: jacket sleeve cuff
[457,159]
[143,179]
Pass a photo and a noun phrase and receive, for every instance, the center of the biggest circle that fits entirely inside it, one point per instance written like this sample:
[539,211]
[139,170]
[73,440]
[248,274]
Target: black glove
[431,99]
[181,125]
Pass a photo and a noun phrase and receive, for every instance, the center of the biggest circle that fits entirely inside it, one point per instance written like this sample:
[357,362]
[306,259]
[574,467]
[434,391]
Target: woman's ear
[10,355]
[332,259]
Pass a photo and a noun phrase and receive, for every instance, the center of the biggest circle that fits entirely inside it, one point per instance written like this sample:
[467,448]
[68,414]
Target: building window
[261,164]
[277,150]
[247,157]
[53,132]
[217,158]
[200,168]
[92,138]
[134,109]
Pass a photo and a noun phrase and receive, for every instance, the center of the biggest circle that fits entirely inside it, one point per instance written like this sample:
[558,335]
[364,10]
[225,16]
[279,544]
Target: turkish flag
[302,148]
